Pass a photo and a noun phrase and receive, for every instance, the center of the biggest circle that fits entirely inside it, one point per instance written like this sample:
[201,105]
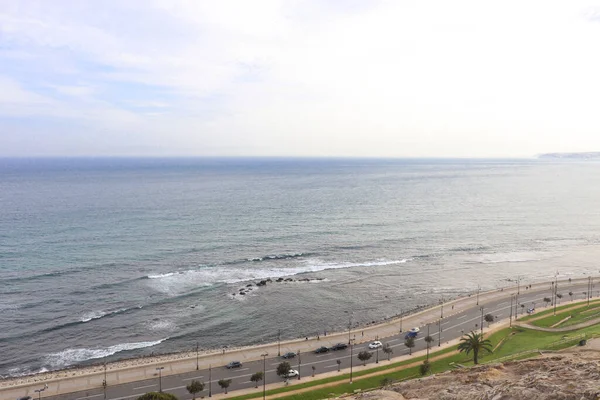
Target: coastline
[186,361]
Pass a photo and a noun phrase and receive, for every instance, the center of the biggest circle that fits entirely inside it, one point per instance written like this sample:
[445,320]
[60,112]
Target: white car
[292,373]
[415,330]
[375,345]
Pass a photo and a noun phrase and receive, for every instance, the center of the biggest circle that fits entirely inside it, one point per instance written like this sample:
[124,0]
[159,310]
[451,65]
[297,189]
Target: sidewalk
[116,373]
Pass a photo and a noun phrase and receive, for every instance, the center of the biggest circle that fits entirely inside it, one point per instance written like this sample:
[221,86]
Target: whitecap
[74,356]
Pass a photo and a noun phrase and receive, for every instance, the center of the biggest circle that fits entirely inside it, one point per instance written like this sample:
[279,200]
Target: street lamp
[351,358]
[39,391]
[159,369]
[279,342]
[481,308]
[209,379]
[197,366]
[377,351]
[401,314]
[349,325]
[299,364]
[478,289]
[439,332]
[264,356]
[442,308]
[511,309]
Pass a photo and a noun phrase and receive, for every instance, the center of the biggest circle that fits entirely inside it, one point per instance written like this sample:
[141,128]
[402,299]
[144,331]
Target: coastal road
[453,325]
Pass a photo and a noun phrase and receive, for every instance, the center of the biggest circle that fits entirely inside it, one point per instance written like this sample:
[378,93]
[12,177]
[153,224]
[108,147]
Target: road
[453,324]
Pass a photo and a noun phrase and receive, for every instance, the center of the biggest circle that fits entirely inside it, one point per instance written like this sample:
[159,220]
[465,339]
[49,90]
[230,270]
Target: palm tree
[571,294]
[387,349]
[489,318]
[410,343]
[339,362]
[364,356]
[559,296]
[195,387]
[314,369]
[256,377]
[474,342]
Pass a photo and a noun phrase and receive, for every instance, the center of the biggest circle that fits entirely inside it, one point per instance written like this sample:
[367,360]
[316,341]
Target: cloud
[378,78]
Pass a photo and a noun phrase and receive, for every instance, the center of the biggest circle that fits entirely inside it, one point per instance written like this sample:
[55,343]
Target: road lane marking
[144,387]
[331,366]
[462,316]
[191,379]
[89,397]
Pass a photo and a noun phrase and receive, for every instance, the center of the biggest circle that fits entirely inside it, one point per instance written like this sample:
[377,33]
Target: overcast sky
[299,78]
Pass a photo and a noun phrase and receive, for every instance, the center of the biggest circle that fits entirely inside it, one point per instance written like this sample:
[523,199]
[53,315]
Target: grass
[578,315]
[550,310]
[518,341]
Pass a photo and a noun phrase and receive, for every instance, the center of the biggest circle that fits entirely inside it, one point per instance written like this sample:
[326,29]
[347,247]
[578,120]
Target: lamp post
[104,382]
[349,325]
[510,317]
[351,358]
[478,289]
[299,364]
[209,379]
[439,332]
[442,308]
[555,290]
[589,290]
[264,356]
[481,308]
[401,314]
[428,338]
[159,369]
[279,343]
[197,348]
[39,391]
[377,351]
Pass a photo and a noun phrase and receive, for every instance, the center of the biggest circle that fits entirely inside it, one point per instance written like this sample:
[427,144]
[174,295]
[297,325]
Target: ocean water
[103,259]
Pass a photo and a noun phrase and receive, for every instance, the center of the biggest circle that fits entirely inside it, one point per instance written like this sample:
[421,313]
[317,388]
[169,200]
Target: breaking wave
[74,356]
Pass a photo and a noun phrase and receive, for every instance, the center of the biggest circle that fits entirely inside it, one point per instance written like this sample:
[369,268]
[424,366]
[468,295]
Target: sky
[402,78]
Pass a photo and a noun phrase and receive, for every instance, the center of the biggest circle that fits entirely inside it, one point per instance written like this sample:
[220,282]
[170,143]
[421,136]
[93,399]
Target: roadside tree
[283,370]
[489,318]
[256,377]
[571,295]
[364,356]
[547,300]
[387,349]
[224,383]
[195,387]
[157,396]
[410,343]
[559,296]
[428,339]
[424,368]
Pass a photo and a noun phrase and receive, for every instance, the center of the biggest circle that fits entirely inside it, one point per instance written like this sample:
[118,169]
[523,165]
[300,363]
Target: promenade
[459,315]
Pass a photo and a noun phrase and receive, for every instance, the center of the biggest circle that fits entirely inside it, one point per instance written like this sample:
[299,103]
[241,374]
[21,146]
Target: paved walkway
[145,368]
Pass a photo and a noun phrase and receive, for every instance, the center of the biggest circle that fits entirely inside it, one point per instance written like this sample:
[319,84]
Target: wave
[99,314]
[181,281]
[516,260]
[468,249]
[278,257]
[73,356]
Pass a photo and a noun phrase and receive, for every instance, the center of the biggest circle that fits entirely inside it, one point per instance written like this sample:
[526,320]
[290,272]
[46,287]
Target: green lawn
[581,314]
[549,311]
[515,341]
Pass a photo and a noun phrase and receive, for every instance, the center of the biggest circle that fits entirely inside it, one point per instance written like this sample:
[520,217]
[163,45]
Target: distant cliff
[592,155]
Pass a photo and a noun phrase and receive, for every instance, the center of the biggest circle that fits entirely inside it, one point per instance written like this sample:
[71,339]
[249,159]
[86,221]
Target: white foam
[74,356]
[177,282]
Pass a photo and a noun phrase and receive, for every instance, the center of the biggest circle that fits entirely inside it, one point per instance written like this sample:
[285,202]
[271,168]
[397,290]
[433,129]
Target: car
[321,349]
[339,346]
[415,330]
[531,311]
[292,373]
[24,398]
[410,334]
[233,364]
[289,354]
[375,345]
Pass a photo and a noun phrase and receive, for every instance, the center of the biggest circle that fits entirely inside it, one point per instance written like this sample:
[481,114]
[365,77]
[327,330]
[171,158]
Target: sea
[110,258]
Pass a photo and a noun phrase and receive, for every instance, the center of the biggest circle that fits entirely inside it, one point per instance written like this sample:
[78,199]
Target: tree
[256,377]
[314,369]
[547,300]
[283,369]
[387,349]
[339,363]
[559,296]
[157,396]
[364,356]
[224,383]
[410,343]
[387,381]
[428,339]
[571,294]
[195,387]
[474,342]
[522,308]
[489,318]
[424,368]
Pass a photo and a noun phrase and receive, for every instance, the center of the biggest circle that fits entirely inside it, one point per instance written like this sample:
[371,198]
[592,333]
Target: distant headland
[592,155]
